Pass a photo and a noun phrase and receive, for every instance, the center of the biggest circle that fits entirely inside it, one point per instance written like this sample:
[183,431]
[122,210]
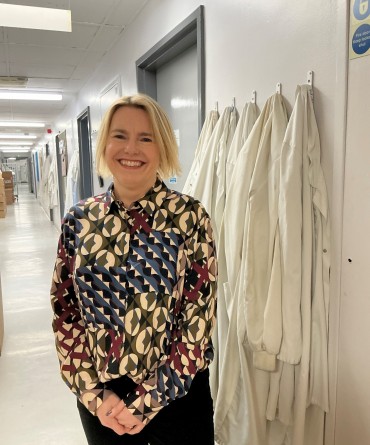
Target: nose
[131,146]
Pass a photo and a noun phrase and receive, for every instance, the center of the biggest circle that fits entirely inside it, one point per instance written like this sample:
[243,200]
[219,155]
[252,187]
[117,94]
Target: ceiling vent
[13,81]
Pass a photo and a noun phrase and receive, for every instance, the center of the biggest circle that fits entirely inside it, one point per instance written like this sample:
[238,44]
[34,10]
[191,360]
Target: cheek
[109,152]
[156,158]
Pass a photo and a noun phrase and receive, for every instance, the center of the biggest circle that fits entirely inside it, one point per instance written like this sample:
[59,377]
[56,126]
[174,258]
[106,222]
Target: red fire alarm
[49,130]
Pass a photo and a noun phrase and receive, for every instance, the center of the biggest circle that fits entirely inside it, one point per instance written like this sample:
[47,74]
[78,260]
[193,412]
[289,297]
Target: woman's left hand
[131,424]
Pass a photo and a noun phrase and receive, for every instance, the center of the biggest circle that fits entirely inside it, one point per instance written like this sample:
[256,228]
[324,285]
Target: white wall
[353,399]
[252,45]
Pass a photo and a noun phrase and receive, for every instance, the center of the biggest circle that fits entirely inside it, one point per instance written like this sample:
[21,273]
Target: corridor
[36,408]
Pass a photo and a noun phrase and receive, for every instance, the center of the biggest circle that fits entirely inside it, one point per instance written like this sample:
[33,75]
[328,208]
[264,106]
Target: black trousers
[185,421]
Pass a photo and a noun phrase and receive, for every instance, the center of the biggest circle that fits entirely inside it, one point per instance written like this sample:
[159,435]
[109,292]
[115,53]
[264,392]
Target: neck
[129,195]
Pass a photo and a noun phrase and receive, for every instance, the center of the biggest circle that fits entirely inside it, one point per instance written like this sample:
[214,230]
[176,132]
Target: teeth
[131,163]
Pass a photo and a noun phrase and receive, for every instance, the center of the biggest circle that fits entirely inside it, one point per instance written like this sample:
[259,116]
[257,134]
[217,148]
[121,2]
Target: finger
[135,429]
[118,429]
[116,409]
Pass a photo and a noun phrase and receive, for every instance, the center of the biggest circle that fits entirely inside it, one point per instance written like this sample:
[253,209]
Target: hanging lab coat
[220,185]
[204,187]
[243,128]
[304,216]
[72,189]
[245,124]
[240,411]
[53,184]
[44,184]
[261,267]
[205,135]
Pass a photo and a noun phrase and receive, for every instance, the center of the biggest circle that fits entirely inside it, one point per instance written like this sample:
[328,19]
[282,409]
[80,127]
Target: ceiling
[58,61]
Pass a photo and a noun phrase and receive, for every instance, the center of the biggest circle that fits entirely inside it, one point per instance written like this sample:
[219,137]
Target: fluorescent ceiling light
[12,159]
[29,95]
[20,144]
[8,150]
[21,124]
[19,16]
[16,136]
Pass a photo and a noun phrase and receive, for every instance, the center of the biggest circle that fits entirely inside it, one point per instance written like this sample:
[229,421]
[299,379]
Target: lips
[127,163]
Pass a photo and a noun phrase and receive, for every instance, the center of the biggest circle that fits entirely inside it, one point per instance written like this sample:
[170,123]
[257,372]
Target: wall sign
[359,36]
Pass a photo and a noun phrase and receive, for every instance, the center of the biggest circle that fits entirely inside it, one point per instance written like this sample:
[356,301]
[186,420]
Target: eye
[119,136]
[146,139]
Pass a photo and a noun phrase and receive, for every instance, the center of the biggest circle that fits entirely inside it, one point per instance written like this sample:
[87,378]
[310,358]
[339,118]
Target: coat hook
[310,78]
[216,106]
[254,97]
[278,88]
[310,83]
[233,104]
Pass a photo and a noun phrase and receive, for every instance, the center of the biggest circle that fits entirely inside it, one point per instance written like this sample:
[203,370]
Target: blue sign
[173,180]
[361,9]
[361,39]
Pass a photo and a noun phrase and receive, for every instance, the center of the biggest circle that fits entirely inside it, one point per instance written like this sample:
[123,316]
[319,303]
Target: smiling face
[131,153]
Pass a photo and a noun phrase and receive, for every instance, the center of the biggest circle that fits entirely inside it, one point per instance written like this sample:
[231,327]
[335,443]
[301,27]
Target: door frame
[85,154]
[188,33]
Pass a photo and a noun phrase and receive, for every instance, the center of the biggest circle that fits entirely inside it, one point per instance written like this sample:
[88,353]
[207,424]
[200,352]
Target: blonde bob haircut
[163,133]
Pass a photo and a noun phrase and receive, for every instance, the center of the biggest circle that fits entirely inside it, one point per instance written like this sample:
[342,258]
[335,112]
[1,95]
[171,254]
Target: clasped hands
[113,414]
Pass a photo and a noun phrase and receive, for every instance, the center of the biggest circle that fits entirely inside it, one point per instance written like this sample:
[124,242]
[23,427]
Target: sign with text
[359,36]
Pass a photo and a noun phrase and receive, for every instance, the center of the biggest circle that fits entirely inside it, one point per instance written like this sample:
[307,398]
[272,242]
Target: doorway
[172,72]
[84,143]
[61,150]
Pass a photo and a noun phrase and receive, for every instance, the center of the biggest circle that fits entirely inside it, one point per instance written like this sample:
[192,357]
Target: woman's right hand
[105,415]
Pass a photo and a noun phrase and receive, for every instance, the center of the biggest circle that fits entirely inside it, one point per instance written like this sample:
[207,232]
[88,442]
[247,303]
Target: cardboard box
[3,212]
[8,179]
[1,320]
[9,196]
[2,197]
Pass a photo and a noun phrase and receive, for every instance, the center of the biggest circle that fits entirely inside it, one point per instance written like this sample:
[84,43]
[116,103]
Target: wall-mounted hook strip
[278,88]
[254,97]
[310,82]
[310,78]
[233,104]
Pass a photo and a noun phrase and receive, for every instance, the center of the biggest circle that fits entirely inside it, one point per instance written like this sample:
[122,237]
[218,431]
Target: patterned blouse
[134,293]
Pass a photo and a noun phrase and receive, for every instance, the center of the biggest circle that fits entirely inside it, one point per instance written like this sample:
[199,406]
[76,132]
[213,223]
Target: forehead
[131,116]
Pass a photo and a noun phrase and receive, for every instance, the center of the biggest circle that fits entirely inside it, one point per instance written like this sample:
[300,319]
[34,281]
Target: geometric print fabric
[133,294]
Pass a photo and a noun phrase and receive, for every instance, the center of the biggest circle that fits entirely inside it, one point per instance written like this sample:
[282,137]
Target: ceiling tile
[42,71]
[80,37]
[125,12]
[106,38]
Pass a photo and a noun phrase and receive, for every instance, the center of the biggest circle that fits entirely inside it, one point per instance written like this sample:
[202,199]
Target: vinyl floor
[36,408]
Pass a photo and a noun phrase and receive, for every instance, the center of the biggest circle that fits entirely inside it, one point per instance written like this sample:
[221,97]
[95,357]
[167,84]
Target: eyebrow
[118,130]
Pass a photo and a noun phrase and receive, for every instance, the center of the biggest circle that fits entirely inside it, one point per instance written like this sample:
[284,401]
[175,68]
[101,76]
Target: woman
[133,291]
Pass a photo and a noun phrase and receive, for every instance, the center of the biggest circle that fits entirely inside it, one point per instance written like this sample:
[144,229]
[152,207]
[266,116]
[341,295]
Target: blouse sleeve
[191,349]
[76,366]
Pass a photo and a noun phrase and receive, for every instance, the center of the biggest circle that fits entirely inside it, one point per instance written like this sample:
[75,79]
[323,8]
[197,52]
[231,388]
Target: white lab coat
[53,184]
[44,184]
[243,128]
[204,186]
[245,124]
[240,411]
[261,269]
[72,189]
[303,215]
[204,137]
[220,180]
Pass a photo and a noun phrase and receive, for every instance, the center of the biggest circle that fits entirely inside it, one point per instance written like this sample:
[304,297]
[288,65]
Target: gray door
[84,142]
[177,92]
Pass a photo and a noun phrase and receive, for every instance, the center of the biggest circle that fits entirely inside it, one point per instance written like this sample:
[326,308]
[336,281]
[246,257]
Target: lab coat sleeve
[319,384]
[290,225]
